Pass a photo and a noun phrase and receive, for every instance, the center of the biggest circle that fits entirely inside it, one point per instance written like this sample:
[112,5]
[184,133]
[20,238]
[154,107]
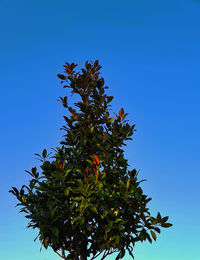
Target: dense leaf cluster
[85,201]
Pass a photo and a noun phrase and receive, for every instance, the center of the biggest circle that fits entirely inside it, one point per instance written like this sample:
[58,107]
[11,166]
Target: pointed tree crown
[85,201]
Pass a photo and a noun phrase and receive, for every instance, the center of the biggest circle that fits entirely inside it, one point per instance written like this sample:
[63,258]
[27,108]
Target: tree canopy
[84,201]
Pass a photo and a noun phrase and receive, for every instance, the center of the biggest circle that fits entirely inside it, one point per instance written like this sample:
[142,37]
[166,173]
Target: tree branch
[95,256]
[108,253]
[59,254]
[63,253]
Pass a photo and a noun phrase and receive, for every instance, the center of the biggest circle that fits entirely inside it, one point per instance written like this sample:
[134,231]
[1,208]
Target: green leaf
[148,237]
[121,183]
[103,175]
[67,172]
[66,192]
[165,219]
[153,220]
[105,236]
[44,153]
[77,198]
[92,129]
[46,242]
[166,225]
[94,209]
[153,235]
[157,229]
[128,183]
[89,161]
[29,173]
[88,227]
[117,239]
[34,170]
[159,217]
[52,211]
[118,220]
[61,76]
[142,180]
[111,119]
[109,99]
[55,231]
[75,219]
[23,198]
[121,113]
[81,220]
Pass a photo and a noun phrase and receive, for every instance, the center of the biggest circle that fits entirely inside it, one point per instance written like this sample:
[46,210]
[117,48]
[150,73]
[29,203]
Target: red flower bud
[62,165]
[96,160]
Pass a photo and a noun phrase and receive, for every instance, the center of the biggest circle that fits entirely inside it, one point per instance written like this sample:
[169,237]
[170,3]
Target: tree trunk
[83,258]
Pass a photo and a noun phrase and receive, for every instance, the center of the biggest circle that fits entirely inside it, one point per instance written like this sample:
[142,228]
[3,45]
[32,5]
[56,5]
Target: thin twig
[108,253]
[58,254]
[63,253]
[95,256]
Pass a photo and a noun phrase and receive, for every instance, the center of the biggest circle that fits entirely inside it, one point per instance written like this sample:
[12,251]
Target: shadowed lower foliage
[85,202]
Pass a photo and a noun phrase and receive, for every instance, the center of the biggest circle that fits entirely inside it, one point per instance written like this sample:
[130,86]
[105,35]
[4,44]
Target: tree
[85,201]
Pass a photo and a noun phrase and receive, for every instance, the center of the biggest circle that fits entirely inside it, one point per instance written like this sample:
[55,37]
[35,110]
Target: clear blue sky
[150,53]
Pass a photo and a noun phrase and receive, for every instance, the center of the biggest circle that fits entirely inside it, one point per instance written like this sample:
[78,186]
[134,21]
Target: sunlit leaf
[153,235]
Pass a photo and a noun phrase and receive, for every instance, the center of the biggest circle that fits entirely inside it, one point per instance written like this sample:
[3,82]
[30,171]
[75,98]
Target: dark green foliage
[85,201]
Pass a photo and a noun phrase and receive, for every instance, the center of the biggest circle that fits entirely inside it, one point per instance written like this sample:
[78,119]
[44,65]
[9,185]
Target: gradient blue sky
[150,53]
